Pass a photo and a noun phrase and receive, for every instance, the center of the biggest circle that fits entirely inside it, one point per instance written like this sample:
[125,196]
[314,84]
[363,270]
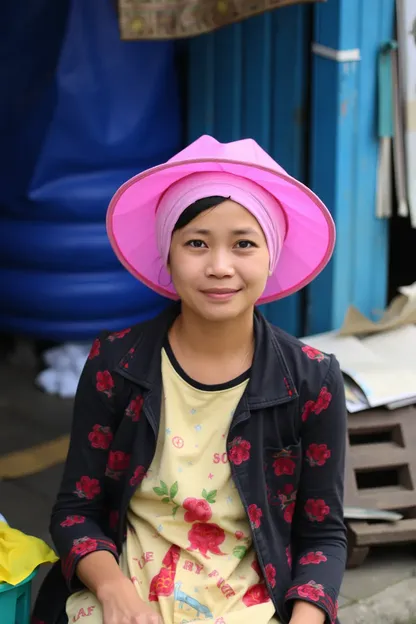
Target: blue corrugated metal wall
[344,153]
[251,80]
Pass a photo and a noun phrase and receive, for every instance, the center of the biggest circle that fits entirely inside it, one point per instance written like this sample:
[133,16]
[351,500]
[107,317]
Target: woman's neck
[214,338]
[213,352]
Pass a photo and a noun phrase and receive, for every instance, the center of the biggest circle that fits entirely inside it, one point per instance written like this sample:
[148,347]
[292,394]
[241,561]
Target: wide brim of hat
[307,248]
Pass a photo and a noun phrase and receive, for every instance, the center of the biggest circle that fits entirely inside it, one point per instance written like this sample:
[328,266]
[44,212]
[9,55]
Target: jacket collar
[270,381]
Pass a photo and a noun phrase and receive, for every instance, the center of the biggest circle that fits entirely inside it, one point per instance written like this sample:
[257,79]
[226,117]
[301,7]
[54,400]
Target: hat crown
[244,150]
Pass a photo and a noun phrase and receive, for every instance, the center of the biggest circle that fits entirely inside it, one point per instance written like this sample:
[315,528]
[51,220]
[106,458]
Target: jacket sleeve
[319,540]
[78,516]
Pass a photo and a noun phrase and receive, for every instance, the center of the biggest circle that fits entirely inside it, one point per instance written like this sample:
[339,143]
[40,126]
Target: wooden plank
[367,534]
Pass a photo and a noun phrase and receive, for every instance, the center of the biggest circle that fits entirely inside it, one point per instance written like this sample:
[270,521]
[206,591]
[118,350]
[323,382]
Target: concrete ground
[383,590]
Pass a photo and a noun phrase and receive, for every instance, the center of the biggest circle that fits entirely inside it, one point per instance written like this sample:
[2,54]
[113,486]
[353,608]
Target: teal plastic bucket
[15,601]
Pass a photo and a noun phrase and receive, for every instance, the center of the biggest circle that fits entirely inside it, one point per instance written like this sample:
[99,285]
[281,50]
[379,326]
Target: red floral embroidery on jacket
[113,519]
[118,335]
[105,382]
[138,476]
[313,558]
[318,454]
[134,409]
[288,502]
[95,349]
[318,406]
[100,437]
[284,464]
[84,545]
[270,571]
[117,462]
[239,451]
[289,556]
[313,354]
[71,520]
[255,514]
[311,590]
[87,488]
[316,510]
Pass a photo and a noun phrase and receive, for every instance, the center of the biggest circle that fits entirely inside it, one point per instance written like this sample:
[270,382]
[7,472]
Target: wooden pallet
[381,474]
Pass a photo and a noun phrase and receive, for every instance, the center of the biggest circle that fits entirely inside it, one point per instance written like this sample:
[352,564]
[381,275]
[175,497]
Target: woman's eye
[245,244]
[197,244]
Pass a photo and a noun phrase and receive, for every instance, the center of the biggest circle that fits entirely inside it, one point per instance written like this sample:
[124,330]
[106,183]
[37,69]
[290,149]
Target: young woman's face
[219,262]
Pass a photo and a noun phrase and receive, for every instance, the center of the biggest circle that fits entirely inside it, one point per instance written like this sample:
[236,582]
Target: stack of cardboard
[378,359]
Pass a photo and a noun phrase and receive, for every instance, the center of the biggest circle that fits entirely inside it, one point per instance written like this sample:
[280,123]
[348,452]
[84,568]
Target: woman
[204,479]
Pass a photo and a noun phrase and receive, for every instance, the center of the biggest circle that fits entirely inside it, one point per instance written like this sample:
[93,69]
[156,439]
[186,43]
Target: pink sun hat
[309,233]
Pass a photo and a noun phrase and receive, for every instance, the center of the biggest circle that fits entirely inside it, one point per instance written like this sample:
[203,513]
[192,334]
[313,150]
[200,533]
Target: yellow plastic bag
[20,554]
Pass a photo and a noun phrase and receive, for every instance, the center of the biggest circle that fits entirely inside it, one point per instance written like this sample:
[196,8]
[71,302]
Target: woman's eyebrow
[237,232]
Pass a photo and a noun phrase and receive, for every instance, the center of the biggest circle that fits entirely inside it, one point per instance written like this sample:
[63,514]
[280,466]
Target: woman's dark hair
[195,209]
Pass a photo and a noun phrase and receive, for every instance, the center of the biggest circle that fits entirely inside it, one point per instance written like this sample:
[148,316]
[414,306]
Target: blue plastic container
[15,601]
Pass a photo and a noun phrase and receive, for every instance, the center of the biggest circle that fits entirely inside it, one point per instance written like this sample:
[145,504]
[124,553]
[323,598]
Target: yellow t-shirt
[189,549]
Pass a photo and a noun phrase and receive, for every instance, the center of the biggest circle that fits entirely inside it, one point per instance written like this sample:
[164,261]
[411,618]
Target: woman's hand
[122,605]
[306,613]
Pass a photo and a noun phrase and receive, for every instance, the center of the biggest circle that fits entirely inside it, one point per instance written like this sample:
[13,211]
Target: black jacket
[286,448]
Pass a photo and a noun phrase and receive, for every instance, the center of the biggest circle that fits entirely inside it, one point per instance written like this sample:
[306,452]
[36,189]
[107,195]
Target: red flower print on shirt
[288,502]
[270,571]
[71,520]
[257,594]
[95,349]
[138,476]
[313,354]
[134,408]
[84,545]
[256,567]
[118,335]
[255,514]
[197,510]
[206,537]
[87,488]
[100,437]
[239,451]
[318,406]
[239,535]
[289,556]
[284,464]
[113,519]
[316,510]
[313,557]
[311,590]
[105,382]
[317,454]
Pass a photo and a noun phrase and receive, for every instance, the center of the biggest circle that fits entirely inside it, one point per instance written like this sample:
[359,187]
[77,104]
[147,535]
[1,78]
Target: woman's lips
[220,294]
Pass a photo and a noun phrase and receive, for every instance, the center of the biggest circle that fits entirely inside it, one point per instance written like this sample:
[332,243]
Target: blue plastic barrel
[83,112]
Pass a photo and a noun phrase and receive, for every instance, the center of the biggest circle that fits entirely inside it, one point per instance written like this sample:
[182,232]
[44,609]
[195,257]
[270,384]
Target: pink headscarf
[261,204]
